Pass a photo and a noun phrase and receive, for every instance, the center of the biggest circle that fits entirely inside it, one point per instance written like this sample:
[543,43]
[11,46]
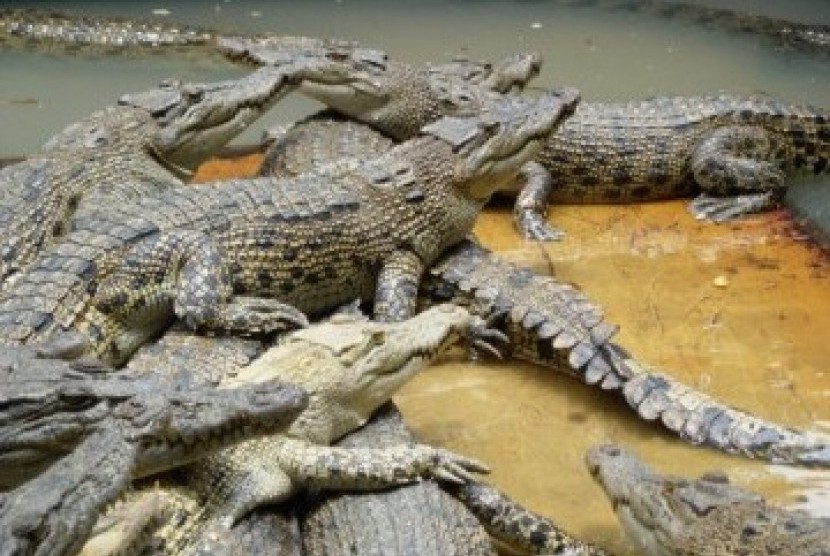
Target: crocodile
[675,516]
[74,432]
[123,272]
[734,152]
[781,34]
[349,366]
[147,142]
[44,30]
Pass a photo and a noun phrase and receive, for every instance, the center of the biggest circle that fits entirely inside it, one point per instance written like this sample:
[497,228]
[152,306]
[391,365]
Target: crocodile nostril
[611,450]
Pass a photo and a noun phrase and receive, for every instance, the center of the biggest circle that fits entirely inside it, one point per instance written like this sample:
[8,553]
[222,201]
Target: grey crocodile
[735,152]
[73,433]
[349,367]
[146,143]
[123,272]
[674,516]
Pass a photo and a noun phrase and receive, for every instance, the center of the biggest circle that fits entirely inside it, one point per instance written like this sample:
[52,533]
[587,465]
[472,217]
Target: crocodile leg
[50,515]
[518,527]
[734,159]
[202,288]
[397,290]
[295,463]
[327,467]
[532,204]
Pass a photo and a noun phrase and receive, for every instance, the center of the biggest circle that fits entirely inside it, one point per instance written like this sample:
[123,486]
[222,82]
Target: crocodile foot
[256,315]
[483,337]
[722,209]
[532,226]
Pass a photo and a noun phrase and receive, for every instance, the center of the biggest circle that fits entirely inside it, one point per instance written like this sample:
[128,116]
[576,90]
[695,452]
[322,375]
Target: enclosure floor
[740,311]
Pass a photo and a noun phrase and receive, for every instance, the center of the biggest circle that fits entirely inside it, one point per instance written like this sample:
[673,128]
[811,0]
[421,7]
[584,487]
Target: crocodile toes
[722,209]
[264,316]
[532,226]
[453,468]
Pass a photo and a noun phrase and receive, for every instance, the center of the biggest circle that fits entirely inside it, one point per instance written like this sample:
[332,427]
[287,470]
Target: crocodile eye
[378,337]
[79,402]
[194,95]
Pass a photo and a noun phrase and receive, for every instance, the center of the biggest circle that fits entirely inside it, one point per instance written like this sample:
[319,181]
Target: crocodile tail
[701,419]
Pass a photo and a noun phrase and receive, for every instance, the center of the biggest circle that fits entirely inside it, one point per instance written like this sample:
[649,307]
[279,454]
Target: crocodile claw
[532,226]
[481,337]
[453,468]
[723,209]
[264,316]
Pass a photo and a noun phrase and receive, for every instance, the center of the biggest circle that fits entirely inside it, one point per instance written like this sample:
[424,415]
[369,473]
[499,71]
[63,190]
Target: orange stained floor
[740,311]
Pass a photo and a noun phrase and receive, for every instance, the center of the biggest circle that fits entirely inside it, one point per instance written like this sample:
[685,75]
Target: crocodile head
[665,516]
[491,147]
[351,367]
[399,99]
[179,123]
[49,406]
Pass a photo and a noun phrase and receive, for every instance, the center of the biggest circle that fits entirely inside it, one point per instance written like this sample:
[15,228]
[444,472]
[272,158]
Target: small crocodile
[42,30]
[349,367]
[146,143]
[84,430]
[734,151]
[124,271]
[673,516]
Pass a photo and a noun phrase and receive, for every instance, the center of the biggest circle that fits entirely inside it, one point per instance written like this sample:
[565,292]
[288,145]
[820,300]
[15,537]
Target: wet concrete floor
[739,311]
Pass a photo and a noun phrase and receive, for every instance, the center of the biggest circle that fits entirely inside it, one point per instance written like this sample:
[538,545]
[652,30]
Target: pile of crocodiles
[148,325]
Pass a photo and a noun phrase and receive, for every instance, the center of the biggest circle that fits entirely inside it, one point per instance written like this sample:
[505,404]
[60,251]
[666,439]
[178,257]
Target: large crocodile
[94,428]
[349,366]
[734,151]
[674,516]
[354,229]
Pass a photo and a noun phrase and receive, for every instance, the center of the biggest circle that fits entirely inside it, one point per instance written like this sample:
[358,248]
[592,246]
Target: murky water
[759,342]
